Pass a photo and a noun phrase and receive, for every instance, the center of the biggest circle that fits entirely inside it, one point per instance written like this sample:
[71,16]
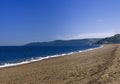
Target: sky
[25,21]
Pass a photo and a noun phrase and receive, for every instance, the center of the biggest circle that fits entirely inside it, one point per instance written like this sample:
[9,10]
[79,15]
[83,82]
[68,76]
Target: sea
[16,55]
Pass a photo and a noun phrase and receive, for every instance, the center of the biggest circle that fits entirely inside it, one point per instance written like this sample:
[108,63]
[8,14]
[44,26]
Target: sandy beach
[99,66]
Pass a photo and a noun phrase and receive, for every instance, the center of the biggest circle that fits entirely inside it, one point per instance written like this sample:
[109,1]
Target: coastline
[46,57]
[98,66]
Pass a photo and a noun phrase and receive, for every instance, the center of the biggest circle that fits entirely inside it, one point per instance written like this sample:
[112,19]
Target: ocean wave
[47,57]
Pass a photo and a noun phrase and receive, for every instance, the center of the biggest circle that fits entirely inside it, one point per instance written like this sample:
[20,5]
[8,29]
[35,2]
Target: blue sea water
[16,54]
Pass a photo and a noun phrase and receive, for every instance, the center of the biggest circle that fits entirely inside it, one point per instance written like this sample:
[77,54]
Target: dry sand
[99,66]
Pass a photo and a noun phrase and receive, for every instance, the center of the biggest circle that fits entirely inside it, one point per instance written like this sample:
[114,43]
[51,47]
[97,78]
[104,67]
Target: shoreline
[47,57]
[98,66]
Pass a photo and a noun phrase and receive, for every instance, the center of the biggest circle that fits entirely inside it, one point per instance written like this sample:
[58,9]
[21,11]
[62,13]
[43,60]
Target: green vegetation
[110,40]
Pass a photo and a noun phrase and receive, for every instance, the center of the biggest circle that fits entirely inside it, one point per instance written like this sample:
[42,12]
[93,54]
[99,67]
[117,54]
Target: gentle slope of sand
[99,66]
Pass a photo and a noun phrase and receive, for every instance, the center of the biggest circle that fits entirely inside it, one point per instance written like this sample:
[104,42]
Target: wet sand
[99,66]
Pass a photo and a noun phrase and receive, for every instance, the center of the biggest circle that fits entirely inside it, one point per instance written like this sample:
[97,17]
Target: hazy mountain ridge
[76,42]
[110,40]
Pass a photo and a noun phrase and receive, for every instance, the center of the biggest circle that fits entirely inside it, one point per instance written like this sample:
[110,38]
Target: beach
[98,66]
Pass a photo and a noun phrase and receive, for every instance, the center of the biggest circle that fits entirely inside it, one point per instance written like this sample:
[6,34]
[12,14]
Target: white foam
[42,58]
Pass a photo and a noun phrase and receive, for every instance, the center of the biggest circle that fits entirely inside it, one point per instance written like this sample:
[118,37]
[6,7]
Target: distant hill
[110,40]
[77,42]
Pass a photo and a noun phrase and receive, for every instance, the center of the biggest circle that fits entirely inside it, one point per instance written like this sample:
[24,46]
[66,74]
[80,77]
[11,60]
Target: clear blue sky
[24,21]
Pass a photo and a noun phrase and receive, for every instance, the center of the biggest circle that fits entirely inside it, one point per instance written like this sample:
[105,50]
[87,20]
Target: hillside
[77,42]
[110,40]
